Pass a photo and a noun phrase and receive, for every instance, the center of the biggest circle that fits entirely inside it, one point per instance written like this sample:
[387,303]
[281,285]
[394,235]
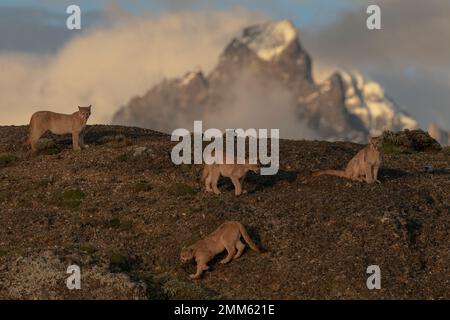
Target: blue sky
[38,26]
[302,12]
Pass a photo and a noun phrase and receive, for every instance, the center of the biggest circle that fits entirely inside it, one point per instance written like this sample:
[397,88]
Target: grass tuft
[188,290]
[7,160]
[72,198]
[124,225]
[119,262]
[182,189]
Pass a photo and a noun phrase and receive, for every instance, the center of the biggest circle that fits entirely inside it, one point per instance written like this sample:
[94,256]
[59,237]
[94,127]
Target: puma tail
[247,238]
[338,173]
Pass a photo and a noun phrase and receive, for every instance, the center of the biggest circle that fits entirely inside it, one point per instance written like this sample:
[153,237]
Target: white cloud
[106,67]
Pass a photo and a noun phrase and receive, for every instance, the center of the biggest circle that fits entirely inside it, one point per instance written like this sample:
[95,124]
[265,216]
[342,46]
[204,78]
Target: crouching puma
[236,172]
[363,167]
[227,236]
[60,124]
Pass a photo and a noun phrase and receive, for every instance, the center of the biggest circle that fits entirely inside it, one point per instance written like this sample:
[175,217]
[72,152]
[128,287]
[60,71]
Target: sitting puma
[236,172]
[363,167]
[60,124]
[227,236]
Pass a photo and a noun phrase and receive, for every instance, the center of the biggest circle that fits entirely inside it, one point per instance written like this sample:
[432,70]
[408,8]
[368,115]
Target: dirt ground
[123,213]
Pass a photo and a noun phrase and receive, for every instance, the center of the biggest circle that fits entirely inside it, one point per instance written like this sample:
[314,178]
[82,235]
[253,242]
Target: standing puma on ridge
[363,167]
[236,172]
[59,124]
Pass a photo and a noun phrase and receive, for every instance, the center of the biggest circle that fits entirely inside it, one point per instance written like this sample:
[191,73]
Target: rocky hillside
[265,74]
[122,211]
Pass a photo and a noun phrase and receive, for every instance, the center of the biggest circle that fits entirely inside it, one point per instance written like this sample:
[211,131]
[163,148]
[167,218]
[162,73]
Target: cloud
[105,67]
[36,30]
[253,104]
[413,32]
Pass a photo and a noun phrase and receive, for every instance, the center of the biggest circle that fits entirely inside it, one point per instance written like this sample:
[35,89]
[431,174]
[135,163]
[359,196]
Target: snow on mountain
[270,39]
[266,67]
[368,101]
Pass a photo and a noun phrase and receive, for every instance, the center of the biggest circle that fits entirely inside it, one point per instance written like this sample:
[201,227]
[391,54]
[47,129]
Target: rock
[428,169]
[410,141]
[46,143]
[140,151]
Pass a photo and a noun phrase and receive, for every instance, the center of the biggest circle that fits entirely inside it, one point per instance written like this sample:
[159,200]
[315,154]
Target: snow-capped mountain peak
[368,101]
[265,70]
[190,76]
[270,39]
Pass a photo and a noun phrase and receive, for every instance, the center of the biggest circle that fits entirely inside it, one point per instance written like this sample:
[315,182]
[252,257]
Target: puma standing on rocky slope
[227,236]
[59,124]
[236,172]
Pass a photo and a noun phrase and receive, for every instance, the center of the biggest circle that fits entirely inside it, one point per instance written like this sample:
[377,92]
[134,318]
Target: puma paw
[193,276]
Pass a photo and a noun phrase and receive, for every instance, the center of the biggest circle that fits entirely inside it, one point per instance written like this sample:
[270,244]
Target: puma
[236,172]
[59,124]
[363,167]
[227,236]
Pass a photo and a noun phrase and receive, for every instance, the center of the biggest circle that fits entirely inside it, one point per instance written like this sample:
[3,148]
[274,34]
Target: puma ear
[90,106]
[79,108]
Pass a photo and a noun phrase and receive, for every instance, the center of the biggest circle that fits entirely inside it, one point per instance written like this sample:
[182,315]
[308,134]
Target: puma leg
[33,144]
[208,183]
[375,174]
[214,181]
[76,141]
[81,140]
[240,249]
[231,252]
[237,186]
[241,181]
[34,138]
[368,172]
[201,266]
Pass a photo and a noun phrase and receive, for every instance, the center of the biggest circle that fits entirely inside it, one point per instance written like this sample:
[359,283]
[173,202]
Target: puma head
[187,254]
[375,142]
[254,168]
[84,112]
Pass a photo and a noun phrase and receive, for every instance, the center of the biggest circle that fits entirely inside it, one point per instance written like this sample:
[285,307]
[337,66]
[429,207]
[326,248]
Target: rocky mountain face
[264,79]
